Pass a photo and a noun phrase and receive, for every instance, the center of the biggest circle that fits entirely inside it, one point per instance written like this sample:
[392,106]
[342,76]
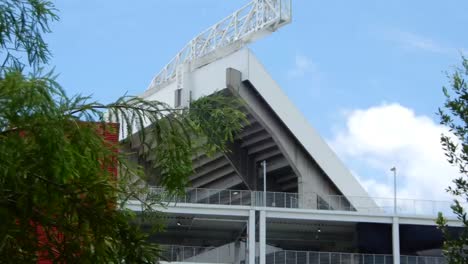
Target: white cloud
[389,135]
[421,42]
[411,40]
[308,73]
[302,66]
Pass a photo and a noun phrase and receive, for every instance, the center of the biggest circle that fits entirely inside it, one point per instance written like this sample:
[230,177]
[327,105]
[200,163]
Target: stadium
[280,195]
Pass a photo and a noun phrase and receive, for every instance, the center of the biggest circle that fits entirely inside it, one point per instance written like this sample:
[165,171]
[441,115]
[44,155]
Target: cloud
[380,137]
[421,42]
[302,66]
[306,72]
[415,41]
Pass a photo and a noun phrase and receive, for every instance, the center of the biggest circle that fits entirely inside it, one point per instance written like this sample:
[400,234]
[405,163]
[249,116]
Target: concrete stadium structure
[311,209]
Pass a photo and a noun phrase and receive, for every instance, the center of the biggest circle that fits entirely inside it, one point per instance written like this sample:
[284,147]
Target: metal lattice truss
[254,20]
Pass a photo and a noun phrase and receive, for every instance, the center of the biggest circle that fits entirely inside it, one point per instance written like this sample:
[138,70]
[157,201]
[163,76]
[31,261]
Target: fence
[277,199]
[223,254]
[312,257]
[206,196]
[308,201]
[174,253]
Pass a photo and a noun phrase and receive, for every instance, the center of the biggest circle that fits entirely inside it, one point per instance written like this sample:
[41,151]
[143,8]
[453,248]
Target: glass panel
[314,258]
[379,259]
[280,257]
[368,259]
[301,258]
[235,197]
[187,253]
[270,258]
[346,259]
[290,257]
[245,198]
[322,204]
[335,258]
[324,258]
[389,260]
[358,259]
[412,260]
[224,197]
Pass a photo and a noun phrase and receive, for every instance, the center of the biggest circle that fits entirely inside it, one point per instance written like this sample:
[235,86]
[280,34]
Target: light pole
[264,182]
[394,190]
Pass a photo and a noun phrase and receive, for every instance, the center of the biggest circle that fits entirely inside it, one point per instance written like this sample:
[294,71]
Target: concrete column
[396,240]
[237,248]
[183,83]
[262,242]
[251,238]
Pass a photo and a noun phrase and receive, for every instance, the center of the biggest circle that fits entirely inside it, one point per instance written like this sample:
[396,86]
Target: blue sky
[338,61]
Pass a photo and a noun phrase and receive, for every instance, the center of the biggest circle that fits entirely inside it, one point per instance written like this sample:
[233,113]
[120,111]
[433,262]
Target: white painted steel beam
[253,21]
[322,215]
[251,237]
[417,220]
[396,240]
[262,237]
[288,213]
[196,209]
[355,217]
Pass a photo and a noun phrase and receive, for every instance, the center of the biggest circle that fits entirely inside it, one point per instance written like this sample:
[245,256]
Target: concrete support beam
[251,238]
[311,179]
[396,240]
[239,160]
[262,237]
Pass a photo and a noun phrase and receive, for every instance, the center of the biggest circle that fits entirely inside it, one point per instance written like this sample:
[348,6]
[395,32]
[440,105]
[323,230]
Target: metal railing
[371,205]
[427,207]
[206,196]
[277,199]
[313,257]
[422,260]
[173,253]
[177,253]
[312,200]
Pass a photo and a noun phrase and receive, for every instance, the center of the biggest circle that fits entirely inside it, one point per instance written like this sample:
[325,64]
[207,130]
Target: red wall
[111,134]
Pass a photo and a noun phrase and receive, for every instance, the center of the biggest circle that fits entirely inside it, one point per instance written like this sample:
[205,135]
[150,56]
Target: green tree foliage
[454,115]
[22,24]
[54,177]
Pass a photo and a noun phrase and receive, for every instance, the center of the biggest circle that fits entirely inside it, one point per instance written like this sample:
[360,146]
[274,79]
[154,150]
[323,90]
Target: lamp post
[264,182]
[394,190]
